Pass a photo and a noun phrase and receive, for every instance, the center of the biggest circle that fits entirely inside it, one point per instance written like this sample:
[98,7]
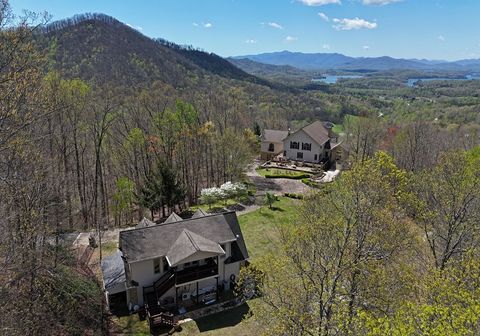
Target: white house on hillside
[314,143]
[176,263]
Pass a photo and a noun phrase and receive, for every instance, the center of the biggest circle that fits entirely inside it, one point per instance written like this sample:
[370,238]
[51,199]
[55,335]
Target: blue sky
[433,29]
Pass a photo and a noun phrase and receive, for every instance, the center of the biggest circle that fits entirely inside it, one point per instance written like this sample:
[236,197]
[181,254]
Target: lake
[411,82]
[331,79]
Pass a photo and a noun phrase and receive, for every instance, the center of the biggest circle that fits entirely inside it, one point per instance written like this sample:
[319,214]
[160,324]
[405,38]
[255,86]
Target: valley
[150,187]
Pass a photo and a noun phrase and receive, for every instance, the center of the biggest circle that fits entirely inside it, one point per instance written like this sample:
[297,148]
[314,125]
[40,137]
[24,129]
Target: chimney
[329,126]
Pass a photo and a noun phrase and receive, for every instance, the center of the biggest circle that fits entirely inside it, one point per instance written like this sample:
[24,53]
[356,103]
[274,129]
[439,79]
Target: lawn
[280,172]
[109,248]
[233,322]
[260,227]
[221,204]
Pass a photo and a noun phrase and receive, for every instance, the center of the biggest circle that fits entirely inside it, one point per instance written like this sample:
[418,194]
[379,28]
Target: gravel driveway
[277,185]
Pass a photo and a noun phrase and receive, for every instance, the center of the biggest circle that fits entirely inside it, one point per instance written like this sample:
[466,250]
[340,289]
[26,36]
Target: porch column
[176,296]
[197,293]
[217,286]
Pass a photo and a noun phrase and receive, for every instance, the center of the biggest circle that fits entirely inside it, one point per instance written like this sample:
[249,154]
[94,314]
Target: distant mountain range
[335,61]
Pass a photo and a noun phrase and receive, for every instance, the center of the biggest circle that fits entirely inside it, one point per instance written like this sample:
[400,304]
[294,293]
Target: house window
[299,155]
[315,158]
[306,146]
[284,153]
[271,147]
[294,145]
[156,265]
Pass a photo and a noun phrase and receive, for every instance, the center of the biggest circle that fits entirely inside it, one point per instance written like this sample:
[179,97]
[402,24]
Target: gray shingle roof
[199,213]
[317,131]
[145,222]
[173,218]
[188,244]
[156,241]
[274,135]
[113,270]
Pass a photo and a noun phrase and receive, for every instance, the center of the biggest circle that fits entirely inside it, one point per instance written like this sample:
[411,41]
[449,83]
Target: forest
[100,125]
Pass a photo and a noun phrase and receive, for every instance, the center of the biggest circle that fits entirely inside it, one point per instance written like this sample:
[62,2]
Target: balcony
[196,273]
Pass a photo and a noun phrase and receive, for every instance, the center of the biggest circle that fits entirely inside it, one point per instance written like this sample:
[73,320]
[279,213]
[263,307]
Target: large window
[299,155]
[306,146]
[271,147]
[294,145]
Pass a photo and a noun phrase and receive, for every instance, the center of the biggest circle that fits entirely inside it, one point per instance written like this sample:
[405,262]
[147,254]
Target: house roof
[317,131]
[189,244]
[199,213]
[173,218]
[145,222]
[113,270]
[156,241]
[274,135]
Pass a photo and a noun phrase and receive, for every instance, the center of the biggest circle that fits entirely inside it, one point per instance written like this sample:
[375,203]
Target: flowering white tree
[233,190]
[211,195]
[226,191]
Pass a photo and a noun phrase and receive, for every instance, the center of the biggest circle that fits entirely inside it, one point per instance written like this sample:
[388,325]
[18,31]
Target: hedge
[292,177]
[310,183]
[294,196]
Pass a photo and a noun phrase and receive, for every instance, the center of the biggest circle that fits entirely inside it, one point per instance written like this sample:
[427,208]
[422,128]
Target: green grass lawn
[260,230]
[338,128]
[216,205]
[131,325]
[234,322]
[278,171]
[109,248]
[260,227]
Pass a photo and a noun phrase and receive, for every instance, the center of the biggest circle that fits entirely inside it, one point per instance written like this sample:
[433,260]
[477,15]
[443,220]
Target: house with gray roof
[178,262]
[314,143]
[311,143]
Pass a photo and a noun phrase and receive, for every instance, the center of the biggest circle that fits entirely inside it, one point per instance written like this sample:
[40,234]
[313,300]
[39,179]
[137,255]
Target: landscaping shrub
[310,183]
[293,177]
[294,196]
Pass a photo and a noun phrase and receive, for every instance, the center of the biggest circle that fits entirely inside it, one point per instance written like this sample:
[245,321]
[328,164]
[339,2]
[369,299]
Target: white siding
[278,147]
[143,273]
[308,155]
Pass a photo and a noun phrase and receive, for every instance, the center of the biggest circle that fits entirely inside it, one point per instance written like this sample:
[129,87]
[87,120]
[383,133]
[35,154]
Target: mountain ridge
[337,61]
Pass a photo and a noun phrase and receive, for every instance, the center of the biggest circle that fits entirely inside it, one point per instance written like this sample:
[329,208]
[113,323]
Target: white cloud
[441,38]
[289,39]
[326,46]
[275,25]
[319,2]
[324,17]
[351,24]
[365,47]
[379,2]
[251,41]
[203,24]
